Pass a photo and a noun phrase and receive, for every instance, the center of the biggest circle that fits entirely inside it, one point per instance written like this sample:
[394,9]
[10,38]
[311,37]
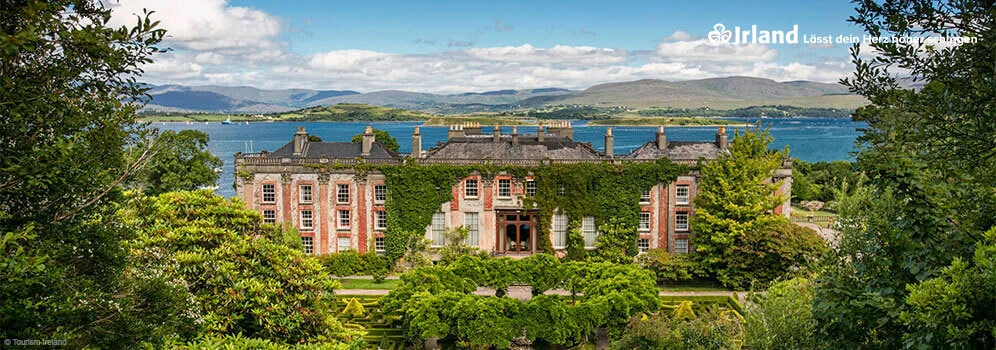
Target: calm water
[811,139]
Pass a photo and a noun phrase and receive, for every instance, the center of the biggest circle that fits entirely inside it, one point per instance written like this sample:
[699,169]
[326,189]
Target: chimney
[562,129]
[300,140]
[417,143]
[721,140]
[539,133]
[609,143]
[515,136]
[497,133]
[455,131]
[472,128]
[661,139]
[368,140]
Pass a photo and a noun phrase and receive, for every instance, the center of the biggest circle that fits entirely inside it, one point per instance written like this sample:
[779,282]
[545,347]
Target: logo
[720,35]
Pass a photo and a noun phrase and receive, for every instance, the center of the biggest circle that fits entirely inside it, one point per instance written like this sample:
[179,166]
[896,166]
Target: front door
[516,232]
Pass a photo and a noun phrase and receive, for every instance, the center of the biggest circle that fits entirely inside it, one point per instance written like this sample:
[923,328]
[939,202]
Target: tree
[180,162]
[68,96]
[781,317]
[929,156]
[381,136]
[736,236]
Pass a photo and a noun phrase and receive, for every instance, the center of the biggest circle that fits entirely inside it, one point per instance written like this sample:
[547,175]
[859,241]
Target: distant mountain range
[717,93]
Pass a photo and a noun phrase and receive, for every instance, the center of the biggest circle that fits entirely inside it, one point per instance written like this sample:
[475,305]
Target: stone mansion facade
[339,209]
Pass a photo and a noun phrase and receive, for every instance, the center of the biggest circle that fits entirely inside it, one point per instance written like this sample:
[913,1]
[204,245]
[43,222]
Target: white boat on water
[227,121]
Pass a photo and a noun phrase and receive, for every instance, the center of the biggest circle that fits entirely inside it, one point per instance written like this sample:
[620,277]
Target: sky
[476,46]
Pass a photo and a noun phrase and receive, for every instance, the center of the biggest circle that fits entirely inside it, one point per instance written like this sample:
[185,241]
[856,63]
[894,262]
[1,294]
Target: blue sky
[454,46]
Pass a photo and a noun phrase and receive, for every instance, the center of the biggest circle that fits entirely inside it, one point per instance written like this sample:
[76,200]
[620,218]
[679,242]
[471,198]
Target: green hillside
[350,112]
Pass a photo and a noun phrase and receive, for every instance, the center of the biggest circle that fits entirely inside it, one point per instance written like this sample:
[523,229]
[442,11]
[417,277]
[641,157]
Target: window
[309,244]
[344,244]
[305,191]
[342,193]
[530,188]
[644,221]
[643,244]
[472,222]
[379,245]
[681,194]
[470,188]
[504,188]
[681,245]
[645,196]
[681,221]
[307,222]
[380,220]
[559,231]
[343,219]
[438,229]
[380,193]
[589,231]
[270,217]
[269,193]
[561,191]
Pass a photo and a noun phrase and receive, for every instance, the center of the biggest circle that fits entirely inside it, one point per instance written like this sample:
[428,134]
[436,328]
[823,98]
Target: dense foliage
[781,317]
[820,180]
[683,329]
[436,301]
[670,267]
[67,81]
[738,238]
[354,264]
[239,282]
[180,162]
[383,137]
[930,155]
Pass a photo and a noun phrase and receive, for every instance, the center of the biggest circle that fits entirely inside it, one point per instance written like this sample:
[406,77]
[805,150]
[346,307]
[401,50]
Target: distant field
[666,121]
[195,118]
[484,120]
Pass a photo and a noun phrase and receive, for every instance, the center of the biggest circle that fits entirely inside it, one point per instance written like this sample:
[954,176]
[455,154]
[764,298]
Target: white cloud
[702,50]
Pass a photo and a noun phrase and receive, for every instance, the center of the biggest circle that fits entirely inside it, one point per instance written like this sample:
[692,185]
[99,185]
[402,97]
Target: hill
[351,112]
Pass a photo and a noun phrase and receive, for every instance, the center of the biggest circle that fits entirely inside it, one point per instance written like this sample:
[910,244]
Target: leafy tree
[929,155]
[712,330]
[381,136]
[68,93]
[239,280]
[736,236]
[668,267]
[180,162]
[615,236]
[781,317]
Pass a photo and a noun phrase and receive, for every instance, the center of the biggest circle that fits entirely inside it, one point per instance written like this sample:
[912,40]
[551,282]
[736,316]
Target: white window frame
[307,220]
[348,245]
[682,199]
[472,221]
[471,191]
[678,249]
[589,231]
[678,226]
[272,220]
[306,195]
[507,189]
[348,219]
[308,244]
[380,244]
[645,219]
[272,193]
[559,231]
[342,190]
[380,220]
[645,196]
[641,247]
[437,230]
[530,188]
[380,193]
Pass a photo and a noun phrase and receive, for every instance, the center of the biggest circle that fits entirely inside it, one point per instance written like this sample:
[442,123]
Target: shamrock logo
[719,34]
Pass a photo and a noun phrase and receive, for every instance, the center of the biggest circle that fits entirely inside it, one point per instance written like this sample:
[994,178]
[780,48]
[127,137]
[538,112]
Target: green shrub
[356,264]
[714,329]
[670,268]
[782,317]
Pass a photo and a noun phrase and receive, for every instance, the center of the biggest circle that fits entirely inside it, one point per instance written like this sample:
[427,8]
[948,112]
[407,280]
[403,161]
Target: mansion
[338,209]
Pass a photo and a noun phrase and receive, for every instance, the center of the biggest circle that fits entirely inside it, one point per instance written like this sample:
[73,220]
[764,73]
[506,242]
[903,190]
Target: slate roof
[342,150]
[484,147]
[677,150]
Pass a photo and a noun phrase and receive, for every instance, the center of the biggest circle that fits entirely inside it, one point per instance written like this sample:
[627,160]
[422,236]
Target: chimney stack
[300,140]
[497,133]
[368,140]
[455,131]
[417,143]
[562,129]
[661,139]
[539,133]
[721,140]
[472,128]
[609,143]
[515,136]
